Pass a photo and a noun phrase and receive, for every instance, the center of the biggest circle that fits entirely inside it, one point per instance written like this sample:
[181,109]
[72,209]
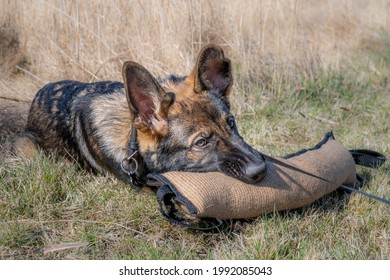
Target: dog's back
[63,115]
[55,109]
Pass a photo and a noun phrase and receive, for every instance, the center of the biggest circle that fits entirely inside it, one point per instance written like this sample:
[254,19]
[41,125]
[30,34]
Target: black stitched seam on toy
[326,138]
[178,196]
[168,189]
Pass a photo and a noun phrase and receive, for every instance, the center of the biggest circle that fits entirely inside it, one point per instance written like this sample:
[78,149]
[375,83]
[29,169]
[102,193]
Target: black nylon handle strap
[281,163]
[385,201]
[368,158]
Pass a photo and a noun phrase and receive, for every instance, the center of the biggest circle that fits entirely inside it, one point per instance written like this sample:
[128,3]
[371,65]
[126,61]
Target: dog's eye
[201,143]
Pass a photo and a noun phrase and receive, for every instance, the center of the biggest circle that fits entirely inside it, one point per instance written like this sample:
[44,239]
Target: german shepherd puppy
[182,123]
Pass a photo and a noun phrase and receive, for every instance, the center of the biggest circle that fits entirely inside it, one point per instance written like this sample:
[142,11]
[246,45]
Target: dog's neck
[133,164]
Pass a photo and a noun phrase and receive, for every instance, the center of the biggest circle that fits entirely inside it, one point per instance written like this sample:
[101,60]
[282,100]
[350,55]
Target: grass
[295,79]
[50,201]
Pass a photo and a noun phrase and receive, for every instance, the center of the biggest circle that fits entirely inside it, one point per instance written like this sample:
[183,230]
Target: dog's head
[185,124]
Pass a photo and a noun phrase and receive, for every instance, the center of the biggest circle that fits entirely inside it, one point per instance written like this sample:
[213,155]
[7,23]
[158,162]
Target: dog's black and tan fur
[183,123]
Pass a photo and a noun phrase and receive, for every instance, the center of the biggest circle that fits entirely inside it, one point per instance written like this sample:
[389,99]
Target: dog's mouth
[249,173]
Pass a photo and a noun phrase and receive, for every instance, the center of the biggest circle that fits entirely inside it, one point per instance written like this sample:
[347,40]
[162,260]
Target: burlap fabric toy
[215,195]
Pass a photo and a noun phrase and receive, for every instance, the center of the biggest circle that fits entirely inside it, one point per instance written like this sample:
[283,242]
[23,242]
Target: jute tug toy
[291,182]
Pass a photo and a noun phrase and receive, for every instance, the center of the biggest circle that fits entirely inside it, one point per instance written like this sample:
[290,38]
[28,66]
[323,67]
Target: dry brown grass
[287,57]
[89,40]
[268,41]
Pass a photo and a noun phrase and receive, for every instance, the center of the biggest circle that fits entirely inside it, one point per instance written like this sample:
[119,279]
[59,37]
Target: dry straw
[268,41]
[89,40]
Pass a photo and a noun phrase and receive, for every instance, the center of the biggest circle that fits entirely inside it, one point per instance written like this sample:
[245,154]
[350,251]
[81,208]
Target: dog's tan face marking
[186,124]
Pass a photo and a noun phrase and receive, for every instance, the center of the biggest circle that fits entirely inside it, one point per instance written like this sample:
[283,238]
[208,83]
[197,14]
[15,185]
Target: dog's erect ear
[213,71]
[147,100]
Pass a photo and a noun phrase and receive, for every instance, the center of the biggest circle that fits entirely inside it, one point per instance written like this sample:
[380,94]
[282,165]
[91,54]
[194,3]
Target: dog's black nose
[256,172]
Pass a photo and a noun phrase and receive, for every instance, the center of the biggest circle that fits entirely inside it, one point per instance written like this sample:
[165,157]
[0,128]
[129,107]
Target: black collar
[133,164]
